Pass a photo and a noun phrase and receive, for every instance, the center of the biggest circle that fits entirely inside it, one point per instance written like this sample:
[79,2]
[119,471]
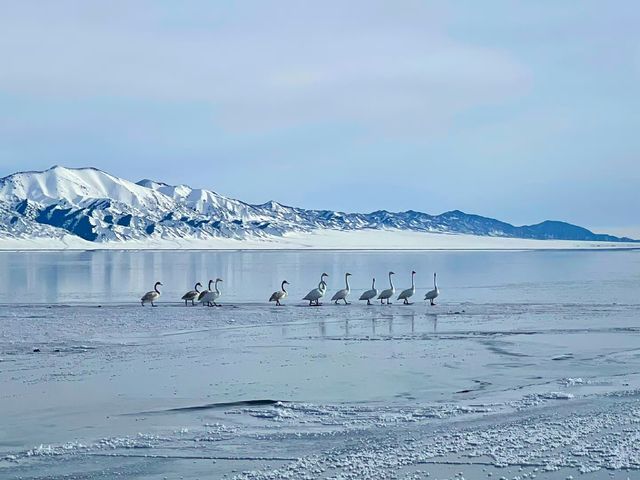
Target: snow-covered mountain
[98,207]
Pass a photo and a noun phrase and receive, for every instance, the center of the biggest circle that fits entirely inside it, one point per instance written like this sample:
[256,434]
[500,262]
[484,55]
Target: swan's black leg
[368,302]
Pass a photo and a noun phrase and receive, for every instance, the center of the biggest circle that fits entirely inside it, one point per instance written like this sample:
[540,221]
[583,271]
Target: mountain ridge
[99,207]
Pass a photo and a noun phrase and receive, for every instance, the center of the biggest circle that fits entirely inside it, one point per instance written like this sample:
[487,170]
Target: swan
[342,294]
[388,293]
[279,295]
[204,292]
[369,294]
[408,293]
[431,295]
[210,296]
[192,295]
[151,296]
[317,293]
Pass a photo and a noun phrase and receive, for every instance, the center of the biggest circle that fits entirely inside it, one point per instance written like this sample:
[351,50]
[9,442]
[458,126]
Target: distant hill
[98,207]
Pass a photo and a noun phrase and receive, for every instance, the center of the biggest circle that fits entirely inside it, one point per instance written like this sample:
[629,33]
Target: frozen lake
[529,365]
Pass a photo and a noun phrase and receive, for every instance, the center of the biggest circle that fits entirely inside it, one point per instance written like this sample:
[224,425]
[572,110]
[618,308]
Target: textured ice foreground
[257,392]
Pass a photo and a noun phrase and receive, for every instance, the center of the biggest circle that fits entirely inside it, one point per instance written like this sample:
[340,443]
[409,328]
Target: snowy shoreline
[321,240]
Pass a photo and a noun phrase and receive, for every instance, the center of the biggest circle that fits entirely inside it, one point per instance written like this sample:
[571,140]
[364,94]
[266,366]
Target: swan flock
[210,296]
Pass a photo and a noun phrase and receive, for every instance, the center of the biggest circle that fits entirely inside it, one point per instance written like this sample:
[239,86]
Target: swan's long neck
[373,284]
[282,288]
[435,286]
[196,288]
[216,286]
[155,287]
[391,282]
[413,284]
[210,282]
[346,280]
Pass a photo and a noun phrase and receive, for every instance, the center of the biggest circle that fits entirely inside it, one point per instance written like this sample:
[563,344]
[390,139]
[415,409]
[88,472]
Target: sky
[518,110]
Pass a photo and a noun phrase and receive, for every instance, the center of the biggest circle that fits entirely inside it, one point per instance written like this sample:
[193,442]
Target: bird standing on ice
[279,295]
[204,292]
[317,293]
[210,296]
[151,296]
[192,295]
[388,293]
[431,295]
[369,294]
[408,293]
[342,294]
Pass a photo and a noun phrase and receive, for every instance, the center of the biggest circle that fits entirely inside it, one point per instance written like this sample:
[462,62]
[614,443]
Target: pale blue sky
[518,110]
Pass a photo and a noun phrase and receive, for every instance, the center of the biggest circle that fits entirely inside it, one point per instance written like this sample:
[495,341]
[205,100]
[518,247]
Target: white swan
[342,294]
[388,293]
[408,293]
[151,296]
[431,295]
[192,295]
[279,295]
[369,294]
[204,292]
[317,293]
[209,298]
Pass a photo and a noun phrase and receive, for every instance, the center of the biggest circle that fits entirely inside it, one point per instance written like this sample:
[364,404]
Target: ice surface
[251,391]
[47,238]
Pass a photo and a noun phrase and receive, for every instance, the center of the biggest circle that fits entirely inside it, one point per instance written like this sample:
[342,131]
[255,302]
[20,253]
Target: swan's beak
[286,282]
[413,272]
[348,274]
